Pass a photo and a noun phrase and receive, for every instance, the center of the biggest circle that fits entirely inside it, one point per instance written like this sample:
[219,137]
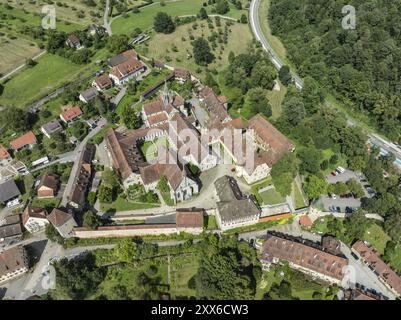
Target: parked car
[338,209]
[333,196]
[334,173]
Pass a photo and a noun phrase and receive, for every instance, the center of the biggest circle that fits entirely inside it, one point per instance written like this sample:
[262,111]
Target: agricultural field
[144,18]
[176,48]
[50,73]
[67,11]
[14,52]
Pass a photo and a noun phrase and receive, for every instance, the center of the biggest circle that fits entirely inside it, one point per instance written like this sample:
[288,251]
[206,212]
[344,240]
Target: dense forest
[361,67]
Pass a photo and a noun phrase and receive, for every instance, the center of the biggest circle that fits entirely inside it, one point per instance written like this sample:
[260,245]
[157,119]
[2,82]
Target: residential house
[102,83]
[181,75]
[64,222]
[28,140]
[13,263]
[88,95]
[34,219]
[233,208]
[13,168]
[126,71]
[384,272]
[122,57]
[94,29]
[73,42]
[10,229]
[51,128]
[305,256]
[48,186]
[5,157]
[82,179]
[71,114]
[9,192]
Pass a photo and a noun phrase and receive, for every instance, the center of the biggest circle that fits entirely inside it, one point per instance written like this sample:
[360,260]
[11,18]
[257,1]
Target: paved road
[364,275]
[101,123]
[387,147]
[106,23]
[257,31]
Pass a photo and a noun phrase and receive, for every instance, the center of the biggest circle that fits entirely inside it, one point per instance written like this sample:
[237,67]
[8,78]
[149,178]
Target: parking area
[346,204]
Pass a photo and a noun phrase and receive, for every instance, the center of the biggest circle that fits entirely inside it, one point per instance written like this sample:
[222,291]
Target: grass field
[275,99]
[172,49]
[149,148]
[122,205]
[50,73]
[144,19]
[271,197]
[72,11]
[376,236]
[297,195]
[14,52]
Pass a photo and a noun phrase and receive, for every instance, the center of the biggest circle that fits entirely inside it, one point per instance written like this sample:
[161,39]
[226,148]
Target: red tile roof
[379,266]
[305,221]
[71,113]
[3,153]
[58,217]
[103,81]
[26,139]
[126,68]
[189,218]
[303,255]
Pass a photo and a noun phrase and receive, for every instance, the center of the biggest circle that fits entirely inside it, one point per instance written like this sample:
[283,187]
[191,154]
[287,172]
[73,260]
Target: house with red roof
[5,157]
[28,140]
[71,114]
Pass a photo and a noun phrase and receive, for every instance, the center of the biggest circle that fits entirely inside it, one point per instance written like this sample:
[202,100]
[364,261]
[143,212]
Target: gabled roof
[8,190]
[52,127]
[122,57]
[303,254]
[126,68]
[3,153]
[58,217]
[269,134]
[90,93]
[26,139]
[181,73]
[11,260]
[103,81]
[74,39]
[189,218]
[33,212]
[71,113]
[50,180]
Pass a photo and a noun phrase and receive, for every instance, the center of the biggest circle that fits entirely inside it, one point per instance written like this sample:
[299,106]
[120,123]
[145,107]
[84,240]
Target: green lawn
[149,148]
[48,204]
[260,226]
[183,268]
[122,205]
[298,199]
[51,72]
[210,222]
[144,19]
[376,236]
[276,99]
[395,258]
[271,197]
